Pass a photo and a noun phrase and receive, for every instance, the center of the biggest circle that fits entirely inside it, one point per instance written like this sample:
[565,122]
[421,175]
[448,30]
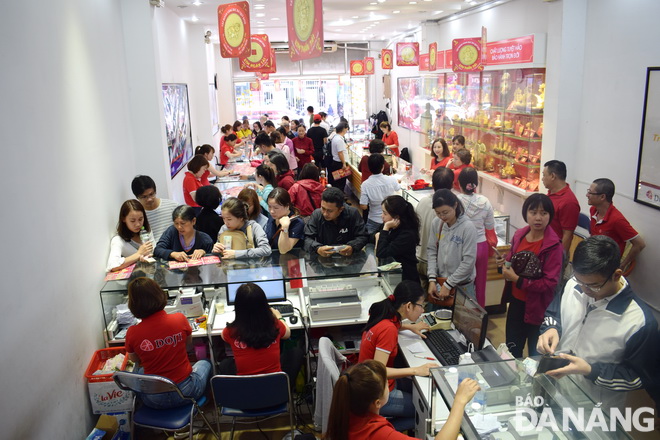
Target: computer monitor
[270,280]
[470,319]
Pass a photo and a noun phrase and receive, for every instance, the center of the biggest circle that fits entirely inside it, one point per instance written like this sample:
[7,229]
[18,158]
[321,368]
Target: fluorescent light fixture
[355,16]
[275,19]
[260,14]
[412,3]
[382,1]
[437,12]
[197,3]
[194,18]
[395,12]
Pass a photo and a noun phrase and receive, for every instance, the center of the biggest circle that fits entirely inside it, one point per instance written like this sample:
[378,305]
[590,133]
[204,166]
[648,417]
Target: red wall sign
[305,23]
[449,61]
[511,51]
[467,55]
[234,29]
[440,60]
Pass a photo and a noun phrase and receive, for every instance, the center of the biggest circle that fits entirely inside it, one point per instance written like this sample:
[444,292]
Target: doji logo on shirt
[369,335]
[146,345]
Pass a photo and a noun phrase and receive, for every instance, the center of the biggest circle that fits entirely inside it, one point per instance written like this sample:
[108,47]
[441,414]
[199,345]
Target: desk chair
[254,396]
[330,364]
[172,419]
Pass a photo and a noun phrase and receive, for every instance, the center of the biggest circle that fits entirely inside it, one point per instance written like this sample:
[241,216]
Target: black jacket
[348,229]
[400,244]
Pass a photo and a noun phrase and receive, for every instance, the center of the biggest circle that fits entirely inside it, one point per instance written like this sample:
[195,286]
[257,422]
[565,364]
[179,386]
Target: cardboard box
[107,397]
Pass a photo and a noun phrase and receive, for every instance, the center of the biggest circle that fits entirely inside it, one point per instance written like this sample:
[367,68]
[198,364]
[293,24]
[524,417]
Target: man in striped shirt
[159,211]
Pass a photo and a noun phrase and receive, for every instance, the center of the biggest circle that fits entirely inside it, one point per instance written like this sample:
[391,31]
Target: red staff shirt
[373,427]
[255,360]
[392,138]
[614,225]
[159,341]
[383,336]
[567,211]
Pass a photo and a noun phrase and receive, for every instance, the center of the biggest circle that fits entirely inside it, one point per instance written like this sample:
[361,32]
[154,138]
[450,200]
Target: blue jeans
[400,407]
[372,226]
[193,386]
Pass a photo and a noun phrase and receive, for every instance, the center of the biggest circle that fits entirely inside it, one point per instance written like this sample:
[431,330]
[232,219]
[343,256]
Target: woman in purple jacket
[530,291]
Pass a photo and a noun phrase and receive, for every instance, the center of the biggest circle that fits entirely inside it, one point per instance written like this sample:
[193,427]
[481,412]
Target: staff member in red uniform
[255,335]
[361,392]
[607,220]
[159,342]
[567,207]
[192,180]
[380,339]
[390,138]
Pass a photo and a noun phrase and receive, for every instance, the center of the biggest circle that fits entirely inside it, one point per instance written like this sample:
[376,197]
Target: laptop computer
[470,320]
[270,280]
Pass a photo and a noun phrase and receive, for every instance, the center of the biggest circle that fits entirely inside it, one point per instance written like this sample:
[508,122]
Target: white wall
[621,42]
[68,159]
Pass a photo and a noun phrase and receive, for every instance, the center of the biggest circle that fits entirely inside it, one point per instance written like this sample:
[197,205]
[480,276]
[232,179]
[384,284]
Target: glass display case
[499,112]
[515,403]
[206,282]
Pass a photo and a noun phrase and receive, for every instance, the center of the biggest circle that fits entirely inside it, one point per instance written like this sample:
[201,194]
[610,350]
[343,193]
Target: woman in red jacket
[531,291]
[390,138]
[306,192]
[278,162]
[303,147]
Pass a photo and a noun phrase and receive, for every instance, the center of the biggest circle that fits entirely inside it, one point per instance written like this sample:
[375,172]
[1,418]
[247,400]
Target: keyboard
[285,309]
[443,347]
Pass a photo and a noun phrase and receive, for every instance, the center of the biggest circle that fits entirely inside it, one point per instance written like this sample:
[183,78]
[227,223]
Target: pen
[425,357]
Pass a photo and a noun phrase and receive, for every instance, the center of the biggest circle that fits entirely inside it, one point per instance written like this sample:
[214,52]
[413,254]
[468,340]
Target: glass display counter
[209,281]
[513,404]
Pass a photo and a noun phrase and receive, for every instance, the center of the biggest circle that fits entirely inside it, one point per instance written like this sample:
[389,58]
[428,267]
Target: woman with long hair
[440,155]
[278,162]
[265,182]
[380,338]
[208,152]
[399,235]
[255,212]
[236,218]
[391,138]
[529,294]
[479,210]
[452,247]
[359,396]
[127,247]
[285,229]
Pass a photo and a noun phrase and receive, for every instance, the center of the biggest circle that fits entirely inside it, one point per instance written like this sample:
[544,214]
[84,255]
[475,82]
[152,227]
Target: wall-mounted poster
[177,126]
[647,190]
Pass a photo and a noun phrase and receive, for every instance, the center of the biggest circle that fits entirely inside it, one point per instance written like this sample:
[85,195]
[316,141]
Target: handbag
[237,240]
[447,302]
[527,265]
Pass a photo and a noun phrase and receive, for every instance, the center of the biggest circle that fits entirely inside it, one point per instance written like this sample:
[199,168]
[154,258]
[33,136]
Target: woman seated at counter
[126,247]
[255,336]
[240,237]
[147,301]
[181,242]
[285,229]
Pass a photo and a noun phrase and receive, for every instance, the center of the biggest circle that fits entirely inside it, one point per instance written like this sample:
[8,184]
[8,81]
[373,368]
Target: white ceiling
[344,20]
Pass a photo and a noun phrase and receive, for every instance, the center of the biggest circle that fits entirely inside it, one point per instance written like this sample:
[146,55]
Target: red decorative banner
[511,51]
[407,54]
[449,61]
[369,67]
[433,56]
[467,55]
[305,23]
[484,42]
[424,62]
[273,68]
[234,29]
[387,59]
[357,67]
[440,60]
[260,56]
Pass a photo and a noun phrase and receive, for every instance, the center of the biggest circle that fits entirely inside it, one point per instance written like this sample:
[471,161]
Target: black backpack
[327,151]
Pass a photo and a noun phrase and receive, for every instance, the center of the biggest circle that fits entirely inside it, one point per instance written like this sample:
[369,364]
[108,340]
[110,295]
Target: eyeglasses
[590,287]
[589,193]
[147,196]
[423,305]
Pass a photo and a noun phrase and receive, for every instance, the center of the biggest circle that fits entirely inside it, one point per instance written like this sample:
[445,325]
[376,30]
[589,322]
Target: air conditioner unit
[283,47]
